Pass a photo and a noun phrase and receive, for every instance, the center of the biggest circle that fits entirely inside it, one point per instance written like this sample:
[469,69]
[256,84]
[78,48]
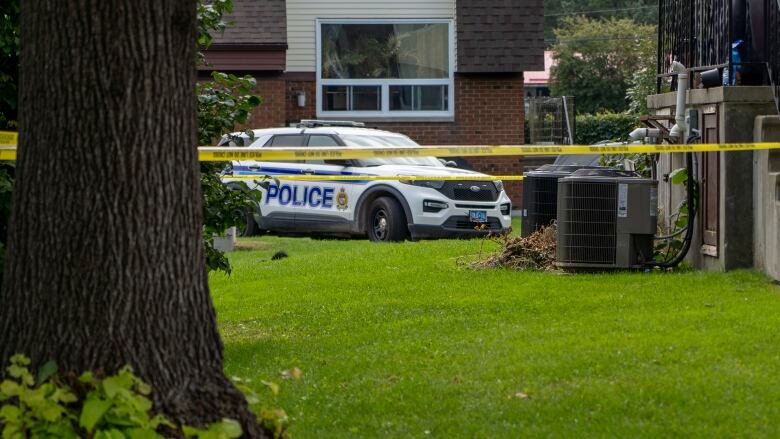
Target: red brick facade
[489,109]
[270,113]
[309,111]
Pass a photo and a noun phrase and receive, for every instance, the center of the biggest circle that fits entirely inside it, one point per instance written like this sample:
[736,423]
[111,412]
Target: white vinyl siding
[302,18]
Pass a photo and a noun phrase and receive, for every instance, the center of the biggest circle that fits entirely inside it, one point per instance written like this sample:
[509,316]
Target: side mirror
[450,164]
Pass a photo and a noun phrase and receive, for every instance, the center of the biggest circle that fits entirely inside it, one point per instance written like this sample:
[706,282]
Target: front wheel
[248,225]
[386,220]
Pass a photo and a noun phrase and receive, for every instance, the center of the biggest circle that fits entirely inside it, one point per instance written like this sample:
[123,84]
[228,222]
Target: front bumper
[453,221]
[458,227]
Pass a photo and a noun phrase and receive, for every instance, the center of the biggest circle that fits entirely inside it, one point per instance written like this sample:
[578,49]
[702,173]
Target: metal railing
[700,34]
[551,120]
[696,33]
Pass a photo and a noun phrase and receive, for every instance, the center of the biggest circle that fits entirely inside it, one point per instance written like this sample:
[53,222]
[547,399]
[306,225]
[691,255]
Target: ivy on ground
[118,406]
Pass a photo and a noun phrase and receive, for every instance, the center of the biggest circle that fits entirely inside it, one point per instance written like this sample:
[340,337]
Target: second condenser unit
[540,190]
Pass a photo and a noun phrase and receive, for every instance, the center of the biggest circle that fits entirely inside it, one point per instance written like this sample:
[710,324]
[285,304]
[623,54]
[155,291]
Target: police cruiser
[383,210]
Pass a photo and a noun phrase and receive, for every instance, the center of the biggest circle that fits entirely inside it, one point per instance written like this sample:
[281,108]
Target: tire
[386,221]
[249,226]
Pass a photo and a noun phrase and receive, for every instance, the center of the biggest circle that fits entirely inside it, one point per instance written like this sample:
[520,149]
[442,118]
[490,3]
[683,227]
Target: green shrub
[116,406]
[593,128]
[643,162]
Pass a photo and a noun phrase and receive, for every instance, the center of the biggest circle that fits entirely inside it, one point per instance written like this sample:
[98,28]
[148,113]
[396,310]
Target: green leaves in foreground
[119,404]
[225,429]
[29,411]
[114,407]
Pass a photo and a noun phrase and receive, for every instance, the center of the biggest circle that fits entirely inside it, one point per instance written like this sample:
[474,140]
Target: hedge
[593,128]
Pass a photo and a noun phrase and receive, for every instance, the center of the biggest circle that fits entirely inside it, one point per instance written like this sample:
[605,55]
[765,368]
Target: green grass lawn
[400,340]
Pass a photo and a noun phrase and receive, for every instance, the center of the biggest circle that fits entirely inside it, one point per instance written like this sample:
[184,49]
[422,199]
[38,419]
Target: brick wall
[489,109]
[294,112]
[270,113]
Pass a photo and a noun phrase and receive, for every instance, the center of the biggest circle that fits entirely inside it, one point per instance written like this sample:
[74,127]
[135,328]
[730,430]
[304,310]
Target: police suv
[383,210]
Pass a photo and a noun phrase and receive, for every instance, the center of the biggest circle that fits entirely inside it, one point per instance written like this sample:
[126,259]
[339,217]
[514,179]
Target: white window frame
[385,84]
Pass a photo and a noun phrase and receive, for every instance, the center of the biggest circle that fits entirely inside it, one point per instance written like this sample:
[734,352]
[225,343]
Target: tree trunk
[105,264]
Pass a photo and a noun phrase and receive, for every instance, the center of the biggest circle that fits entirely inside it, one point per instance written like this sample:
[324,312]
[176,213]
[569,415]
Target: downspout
[680,127]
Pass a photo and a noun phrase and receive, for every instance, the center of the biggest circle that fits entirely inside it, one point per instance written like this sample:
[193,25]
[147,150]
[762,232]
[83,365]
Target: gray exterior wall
[737,109]
[766,197]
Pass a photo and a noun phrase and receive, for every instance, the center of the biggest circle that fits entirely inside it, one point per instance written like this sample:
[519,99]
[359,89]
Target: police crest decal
[342,200]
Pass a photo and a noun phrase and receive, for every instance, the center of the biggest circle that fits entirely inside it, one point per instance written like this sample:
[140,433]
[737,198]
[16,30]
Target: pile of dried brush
[534,252]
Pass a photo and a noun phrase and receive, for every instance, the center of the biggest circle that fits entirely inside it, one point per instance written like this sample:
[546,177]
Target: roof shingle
[255,22]
[500,35]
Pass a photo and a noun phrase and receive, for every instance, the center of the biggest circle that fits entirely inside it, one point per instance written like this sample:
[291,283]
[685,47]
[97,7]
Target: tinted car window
[287,140]
[319,140]
[374,140]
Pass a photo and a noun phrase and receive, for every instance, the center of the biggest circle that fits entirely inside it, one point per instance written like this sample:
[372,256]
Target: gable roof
[500,35]
[255,23]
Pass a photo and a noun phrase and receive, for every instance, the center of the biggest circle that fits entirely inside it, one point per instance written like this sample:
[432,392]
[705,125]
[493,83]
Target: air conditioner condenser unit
[540,195]
[606,219]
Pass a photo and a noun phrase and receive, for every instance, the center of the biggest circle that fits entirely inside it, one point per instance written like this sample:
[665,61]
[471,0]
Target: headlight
[434,206]
[499,185]
[434,184]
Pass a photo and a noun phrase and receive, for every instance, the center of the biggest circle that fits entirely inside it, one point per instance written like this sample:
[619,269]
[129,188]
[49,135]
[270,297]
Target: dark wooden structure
[701,34]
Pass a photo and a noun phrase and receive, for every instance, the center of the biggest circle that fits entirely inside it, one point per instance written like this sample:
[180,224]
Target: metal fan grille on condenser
[606,219]
[587,228]
[540,192]
[540,202]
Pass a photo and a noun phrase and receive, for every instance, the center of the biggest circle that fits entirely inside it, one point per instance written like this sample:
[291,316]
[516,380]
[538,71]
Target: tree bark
[105,263]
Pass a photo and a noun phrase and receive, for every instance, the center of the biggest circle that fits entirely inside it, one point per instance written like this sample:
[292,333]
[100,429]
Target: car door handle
[307,171]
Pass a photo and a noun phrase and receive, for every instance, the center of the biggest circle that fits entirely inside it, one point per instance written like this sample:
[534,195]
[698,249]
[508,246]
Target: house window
[385,68]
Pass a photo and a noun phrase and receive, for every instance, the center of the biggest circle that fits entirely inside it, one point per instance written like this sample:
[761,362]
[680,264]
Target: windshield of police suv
[368,140]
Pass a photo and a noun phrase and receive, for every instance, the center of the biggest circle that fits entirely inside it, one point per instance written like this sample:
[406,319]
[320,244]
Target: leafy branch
[223,102]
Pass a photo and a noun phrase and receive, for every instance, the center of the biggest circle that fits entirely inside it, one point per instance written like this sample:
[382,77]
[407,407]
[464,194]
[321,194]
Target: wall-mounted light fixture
[301,97]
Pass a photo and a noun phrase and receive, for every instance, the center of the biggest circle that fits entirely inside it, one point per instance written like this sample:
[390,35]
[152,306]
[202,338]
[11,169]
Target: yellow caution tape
[8,138]
[376,177]
[346,153]
[219,154]
[7,153]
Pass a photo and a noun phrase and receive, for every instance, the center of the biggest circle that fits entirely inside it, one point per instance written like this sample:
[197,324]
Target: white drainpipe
[680,127]
[644,133]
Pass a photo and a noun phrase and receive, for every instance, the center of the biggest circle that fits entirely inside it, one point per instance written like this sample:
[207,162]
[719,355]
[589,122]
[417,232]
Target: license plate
[478,216]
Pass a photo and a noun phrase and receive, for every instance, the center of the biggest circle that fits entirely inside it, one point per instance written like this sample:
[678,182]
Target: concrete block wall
[737,109]
[766,181]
